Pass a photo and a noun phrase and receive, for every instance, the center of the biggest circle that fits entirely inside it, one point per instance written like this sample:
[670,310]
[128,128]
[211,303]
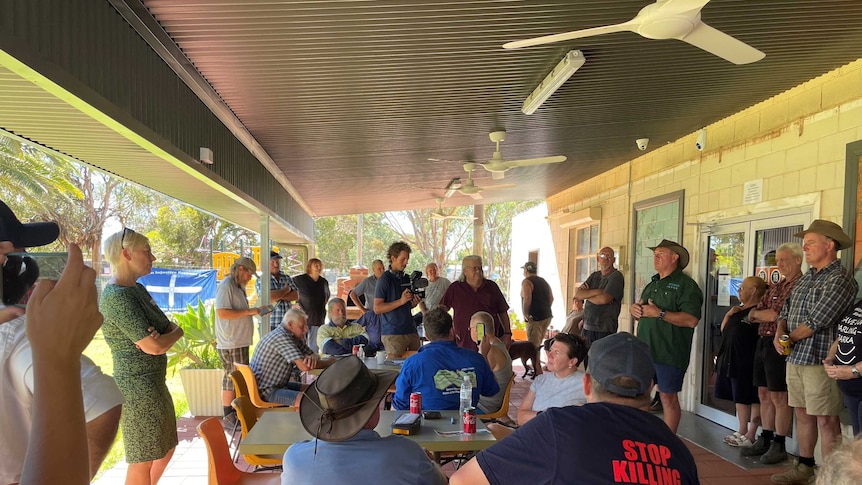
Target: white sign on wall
[752,191]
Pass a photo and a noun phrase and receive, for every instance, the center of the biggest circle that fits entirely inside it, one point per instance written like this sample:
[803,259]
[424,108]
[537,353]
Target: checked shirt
[775,299]
[819,300]
[273,359]
[277,283]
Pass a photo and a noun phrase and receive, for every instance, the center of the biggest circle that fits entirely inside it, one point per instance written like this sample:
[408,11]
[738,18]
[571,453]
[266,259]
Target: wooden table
[275,432]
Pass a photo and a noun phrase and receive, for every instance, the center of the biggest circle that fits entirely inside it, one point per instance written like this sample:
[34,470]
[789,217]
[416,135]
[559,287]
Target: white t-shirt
[232,333]
[554,392]
[434,292]
[16,396]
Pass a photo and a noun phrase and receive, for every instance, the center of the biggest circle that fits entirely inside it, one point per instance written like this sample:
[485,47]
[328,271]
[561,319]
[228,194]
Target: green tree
[432,239]
[29,173]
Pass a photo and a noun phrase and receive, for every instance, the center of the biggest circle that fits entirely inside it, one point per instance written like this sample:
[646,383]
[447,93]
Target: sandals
[738,440]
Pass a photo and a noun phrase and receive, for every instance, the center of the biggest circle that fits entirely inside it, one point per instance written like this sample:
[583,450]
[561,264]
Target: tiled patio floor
[189,464]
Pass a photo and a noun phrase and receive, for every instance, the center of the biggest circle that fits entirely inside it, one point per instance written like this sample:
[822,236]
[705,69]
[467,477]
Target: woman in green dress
[139,334]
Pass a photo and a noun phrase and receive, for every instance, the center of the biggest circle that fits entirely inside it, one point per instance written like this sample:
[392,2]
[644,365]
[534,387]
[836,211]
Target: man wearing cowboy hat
[341,409]
[667,313]
[810,317]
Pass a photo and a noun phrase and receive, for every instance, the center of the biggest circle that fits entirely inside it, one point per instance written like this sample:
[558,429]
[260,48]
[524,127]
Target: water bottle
[361,353]
[466,395]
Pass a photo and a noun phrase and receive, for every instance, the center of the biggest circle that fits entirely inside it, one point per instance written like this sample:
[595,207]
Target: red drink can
[416,403]
[356,350]
[469,420]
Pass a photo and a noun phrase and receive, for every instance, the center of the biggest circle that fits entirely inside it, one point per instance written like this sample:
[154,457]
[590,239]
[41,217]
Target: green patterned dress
[149,423]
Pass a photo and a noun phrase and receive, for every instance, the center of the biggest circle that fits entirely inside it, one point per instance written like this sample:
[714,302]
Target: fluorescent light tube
[560,74]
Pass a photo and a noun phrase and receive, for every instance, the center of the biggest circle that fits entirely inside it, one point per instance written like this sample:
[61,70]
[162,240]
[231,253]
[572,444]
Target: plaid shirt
[277,283]
[819,300]
[774,300]
[273,359]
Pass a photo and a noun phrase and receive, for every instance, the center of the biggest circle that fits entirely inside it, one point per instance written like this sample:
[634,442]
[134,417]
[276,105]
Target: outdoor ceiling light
[561,72]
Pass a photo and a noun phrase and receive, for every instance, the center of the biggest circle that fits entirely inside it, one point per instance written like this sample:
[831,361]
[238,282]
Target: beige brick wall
[794,141]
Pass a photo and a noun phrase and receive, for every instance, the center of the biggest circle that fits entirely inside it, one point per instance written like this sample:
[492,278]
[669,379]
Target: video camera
[415,283]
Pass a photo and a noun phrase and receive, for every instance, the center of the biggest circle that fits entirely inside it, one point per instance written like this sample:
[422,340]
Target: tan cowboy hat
[343,399]
[829,229]
[675,247]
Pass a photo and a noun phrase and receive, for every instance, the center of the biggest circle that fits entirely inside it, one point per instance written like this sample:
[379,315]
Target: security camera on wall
[700,144]
[642,143]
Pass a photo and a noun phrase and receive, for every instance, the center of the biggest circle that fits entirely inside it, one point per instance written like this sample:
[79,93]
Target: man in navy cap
[611,439]
[42,371]
[282,290]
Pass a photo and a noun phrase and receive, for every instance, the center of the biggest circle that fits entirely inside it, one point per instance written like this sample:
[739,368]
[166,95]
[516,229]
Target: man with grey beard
[338,337]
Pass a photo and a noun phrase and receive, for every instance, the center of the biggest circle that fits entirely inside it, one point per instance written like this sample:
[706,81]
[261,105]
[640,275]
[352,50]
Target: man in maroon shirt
[473,293]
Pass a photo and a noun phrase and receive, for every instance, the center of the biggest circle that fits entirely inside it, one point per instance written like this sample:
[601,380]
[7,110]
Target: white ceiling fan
[467,187]
[439,215]
[666,19]
[498,166]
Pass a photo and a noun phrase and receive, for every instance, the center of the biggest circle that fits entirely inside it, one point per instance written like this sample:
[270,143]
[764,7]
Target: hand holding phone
[266,309]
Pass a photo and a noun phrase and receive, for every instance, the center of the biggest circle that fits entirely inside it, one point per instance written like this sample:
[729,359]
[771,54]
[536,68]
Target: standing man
[667,314]
[603,295]
[437,286]
[810,317]
[313,295]
[282,290]
[393,303]
[234,327]
[366,288]
[536,301]
[473,293]
[769,366]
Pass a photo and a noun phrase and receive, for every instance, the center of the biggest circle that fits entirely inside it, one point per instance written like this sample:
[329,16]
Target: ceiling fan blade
[437,216]
[577,34]
[536,161]
[494,187]
[722,45]
[677,6]
[475,195]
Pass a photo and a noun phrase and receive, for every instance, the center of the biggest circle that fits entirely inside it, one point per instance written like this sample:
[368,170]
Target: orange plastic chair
[503,412]
[221,469]
[253,392]
[247,419]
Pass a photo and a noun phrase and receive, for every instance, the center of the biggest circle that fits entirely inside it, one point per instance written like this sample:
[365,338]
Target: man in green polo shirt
[667,313]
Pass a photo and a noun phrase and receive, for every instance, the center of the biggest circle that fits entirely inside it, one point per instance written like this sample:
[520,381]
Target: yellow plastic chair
[503,412]
[247,419]
[221,469]
[253,392]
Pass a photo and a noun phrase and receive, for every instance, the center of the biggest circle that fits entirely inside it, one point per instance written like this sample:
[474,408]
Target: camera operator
[393,301]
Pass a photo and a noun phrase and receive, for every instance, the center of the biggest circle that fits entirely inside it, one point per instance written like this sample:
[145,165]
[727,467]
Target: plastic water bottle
[466,395]
[361,353]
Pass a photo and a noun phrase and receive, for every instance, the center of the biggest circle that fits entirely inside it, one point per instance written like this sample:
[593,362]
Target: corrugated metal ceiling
[351,98]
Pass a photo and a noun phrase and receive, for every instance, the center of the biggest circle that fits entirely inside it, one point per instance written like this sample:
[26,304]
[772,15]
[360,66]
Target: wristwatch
[855,371]
[661,315]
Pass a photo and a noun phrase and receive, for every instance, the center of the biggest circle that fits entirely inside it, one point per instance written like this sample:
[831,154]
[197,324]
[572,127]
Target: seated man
[341,410]
[611,439]
[102,400]
[338,337]
[496,355]
[438,369]
[277,353]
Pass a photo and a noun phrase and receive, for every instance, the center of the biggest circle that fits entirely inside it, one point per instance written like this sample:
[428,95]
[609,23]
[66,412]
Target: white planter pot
[203,390]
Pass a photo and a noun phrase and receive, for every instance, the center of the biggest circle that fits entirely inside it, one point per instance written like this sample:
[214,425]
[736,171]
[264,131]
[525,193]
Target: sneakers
[775,454]
[759,447]
[799,473]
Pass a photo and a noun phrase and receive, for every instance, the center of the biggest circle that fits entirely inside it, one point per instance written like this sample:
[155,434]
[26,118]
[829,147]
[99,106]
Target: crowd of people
[585,419]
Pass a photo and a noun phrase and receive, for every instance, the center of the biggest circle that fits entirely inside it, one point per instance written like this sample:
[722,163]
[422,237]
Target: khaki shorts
[809,387]
[536,331]
[396,345]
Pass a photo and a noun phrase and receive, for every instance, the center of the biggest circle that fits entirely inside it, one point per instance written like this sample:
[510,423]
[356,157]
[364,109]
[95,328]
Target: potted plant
[519,328]
[195,354]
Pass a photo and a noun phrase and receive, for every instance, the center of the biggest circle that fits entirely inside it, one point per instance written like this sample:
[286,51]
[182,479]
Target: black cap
[25,235]
[273,254]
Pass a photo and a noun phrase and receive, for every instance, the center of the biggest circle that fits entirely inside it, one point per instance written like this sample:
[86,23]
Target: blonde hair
[125,239]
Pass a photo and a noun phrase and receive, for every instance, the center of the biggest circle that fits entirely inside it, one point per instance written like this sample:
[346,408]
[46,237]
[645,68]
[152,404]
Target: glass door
[734,252]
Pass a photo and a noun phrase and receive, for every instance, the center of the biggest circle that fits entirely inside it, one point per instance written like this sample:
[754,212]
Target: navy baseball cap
[621,355]
[273,254]
[25,235]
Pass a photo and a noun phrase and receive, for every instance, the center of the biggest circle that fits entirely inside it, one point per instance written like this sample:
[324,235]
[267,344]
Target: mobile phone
[432,415]
[267,309]
[480,331]
[49,265]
